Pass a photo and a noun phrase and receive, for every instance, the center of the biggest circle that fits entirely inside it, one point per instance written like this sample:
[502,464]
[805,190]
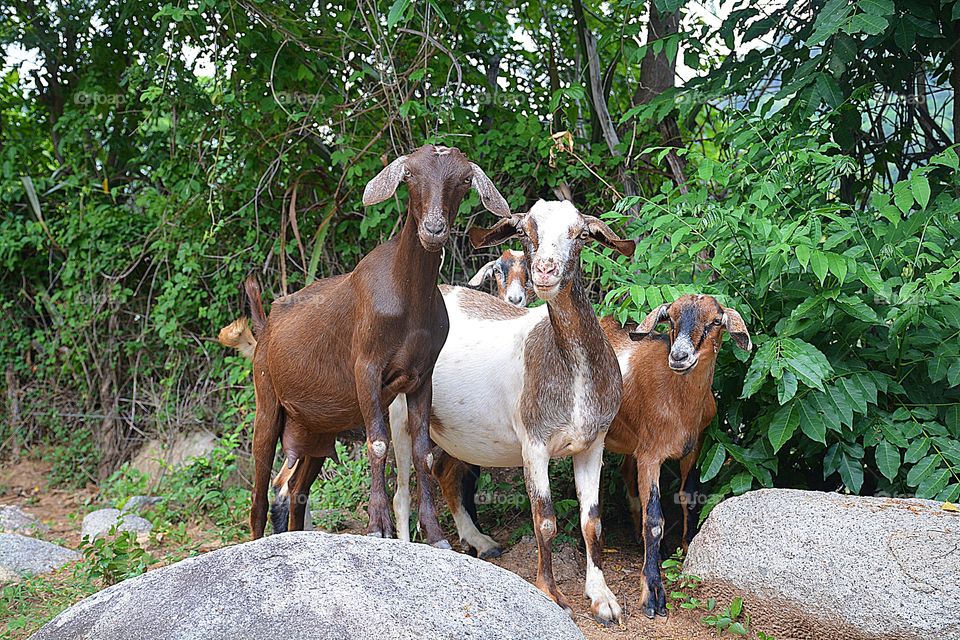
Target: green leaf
[784,424]
[903,196]
[857,308]
[828,20]
[837,265]
[824,407]
[741,483]
[829,90]
[397,10]
[917,449]
[888,459]
[933,483]
[713,462]
[812,420]
[922,469]
[920,187]
[876,7]
[866,23]
[851,473]
[819,264]
[786,387]
[803,255]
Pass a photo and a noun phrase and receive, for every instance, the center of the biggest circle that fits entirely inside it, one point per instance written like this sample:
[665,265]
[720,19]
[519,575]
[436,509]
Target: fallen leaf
[949,506]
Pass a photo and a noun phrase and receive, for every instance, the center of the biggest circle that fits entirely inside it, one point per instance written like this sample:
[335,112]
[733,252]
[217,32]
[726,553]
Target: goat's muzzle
[682,362]
[433,232]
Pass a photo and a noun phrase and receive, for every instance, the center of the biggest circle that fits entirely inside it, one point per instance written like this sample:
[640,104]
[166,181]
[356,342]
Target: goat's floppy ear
[483,274]
[603,234]
[500,232]
[385,183]
[737,329]
[649,323]
[489,196]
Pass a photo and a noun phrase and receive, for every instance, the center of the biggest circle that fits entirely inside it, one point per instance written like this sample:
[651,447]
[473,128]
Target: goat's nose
[514,299]
[436,226]
[547,267]
[679,356]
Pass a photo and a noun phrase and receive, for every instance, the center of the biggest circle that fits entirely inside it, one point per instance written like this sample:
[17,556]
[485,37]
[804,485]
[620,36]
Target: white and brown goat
[667,404]
[517,387]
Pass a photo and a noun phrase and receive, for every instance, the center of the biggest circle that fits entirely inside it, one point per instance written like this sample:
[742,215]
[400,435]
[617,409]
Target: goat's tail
[257,316]
[237,335]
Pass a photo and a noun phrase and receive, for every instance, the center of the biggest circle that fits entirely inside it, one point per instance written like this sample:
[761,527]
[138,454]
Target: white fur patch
[656,531]
[379,448]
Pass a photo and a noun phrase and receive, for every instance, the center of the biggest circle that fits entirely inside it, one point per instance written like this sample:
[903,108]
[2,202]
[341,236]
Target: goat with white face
[511,272]
[517,387]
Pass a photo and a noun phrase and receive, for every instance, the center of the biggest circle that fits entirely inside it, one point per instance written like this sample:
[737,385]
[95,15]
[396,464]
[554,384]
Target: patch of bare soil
[622,567]
[24,484]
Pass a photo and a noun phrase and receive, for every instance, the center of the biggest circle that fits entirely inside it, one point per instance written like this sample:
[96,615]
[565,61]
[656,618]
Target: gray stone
[25,556]
[13,519]
[317,585]
[154,458]
[98,523]
[825,565]
[135,504]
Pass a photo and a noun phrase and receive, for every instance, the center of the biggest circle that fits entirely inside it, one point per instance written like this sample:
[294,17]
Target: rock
[153,458]
[23,556]
[98,523]
[15,520]
[9,576]
[830,566]
[135,504]
[317,585]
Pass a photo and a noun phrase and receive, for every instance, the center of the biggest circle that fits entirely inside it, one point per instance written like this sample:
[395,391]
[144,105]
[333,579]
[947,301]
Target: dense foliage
[154,153]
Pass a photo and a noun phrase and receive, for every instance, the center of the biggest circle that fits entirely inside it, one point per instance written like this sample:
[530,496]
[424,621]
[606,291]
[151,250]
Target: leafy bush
[112,558]
[854,313]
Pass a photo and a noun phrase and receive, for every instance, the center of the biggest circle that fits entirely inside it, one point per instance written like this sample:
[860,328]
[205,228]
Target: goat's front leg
[458,482]
[369,391]
[418,407]
[689,488]
[586,472]
[403,452]
[653,600]
[536,473]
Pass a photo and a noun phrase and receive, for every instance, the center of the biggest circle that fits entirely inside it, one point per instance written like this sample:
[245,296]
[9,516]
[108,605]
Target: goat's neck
[415,270]
[572,317]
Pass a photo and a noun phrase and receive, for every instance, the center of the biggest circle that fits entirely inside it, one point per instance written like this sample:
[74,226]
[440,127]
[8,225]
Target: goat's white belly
[477,385]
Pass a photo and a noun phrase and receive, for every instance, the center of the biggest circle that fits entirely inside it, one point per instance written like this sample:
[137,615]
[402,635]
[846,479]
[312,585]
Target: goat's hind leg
[586,470]
[267,427]
[403,453]
[628,470]
[458,482]
[689,494]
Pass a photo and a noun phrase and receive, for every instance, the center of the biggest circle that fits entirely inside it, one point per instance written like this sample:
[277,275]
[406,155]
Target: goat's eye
[584,234]
[718,321]
[466,181]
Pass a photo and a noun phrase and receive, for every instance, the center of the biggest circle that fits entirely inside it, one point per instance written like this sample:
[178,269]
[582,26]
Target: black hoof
[490,554]
[650,612]
[606,623]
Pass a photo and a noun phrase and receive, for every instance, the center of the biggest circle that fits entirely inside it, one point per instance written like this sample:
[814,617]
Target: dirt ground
[24,485]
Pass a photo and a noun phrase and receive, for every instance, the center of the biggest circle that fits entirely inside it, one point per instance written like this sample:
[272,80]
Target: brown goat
[667,404]
[335,354]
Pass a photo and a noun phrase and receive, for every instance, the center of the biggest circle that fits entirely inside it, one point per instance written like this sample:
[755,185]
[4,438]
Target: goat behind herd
[489,382]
